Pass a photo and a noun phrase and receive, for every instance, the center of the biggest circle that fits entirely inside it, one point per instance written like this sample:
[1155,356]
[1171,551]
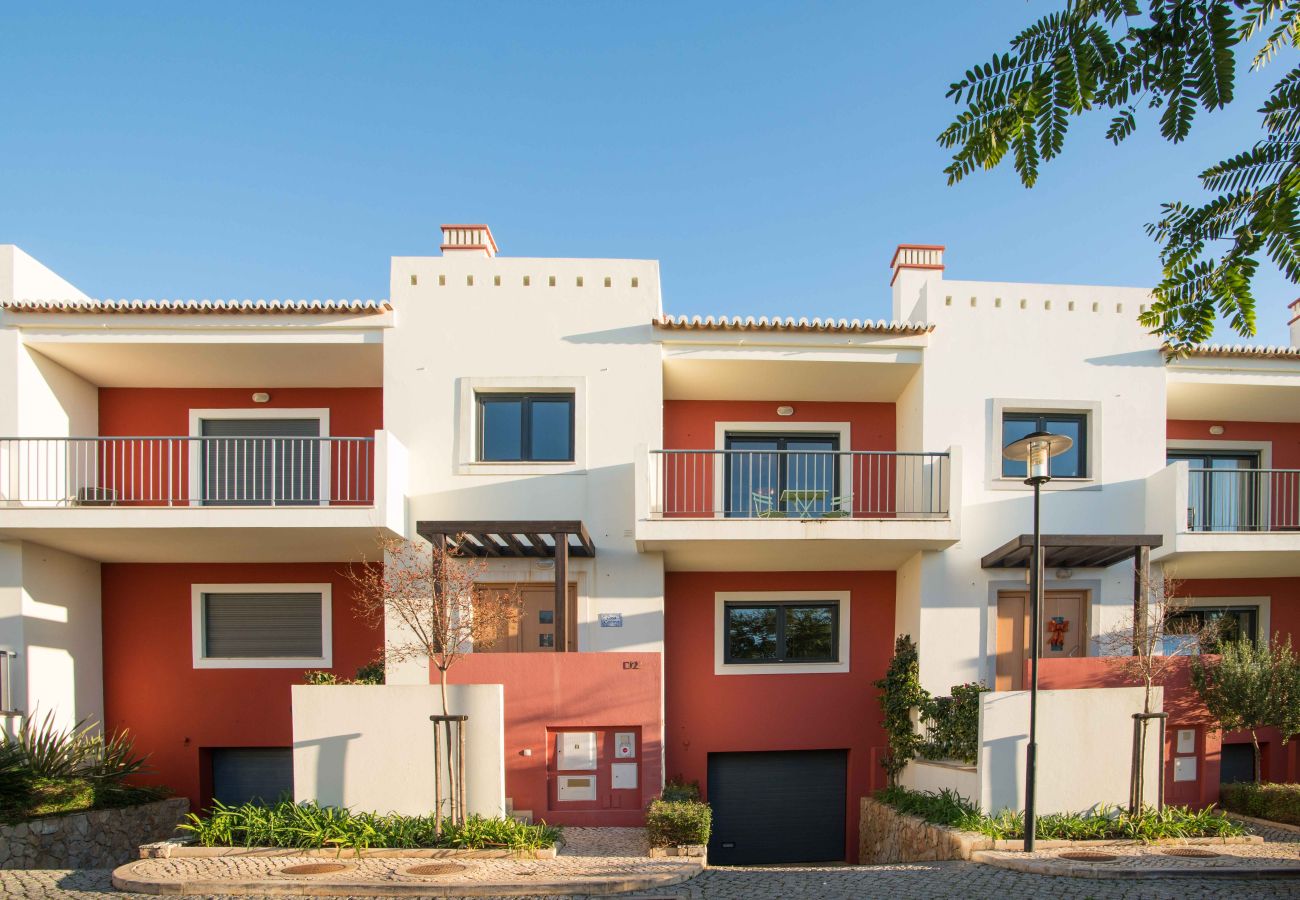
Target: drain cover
[1087,856]
[1192,852]
[435,869]
[313,869]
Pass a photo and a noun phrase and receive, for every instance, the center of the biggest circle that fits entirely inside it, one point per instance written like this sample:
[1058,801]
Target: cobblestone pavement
[920,881]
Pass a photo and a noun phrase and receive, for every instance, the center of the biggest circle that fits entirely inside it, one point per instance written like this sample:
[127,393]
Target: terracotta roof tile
[202,307]
[749,323]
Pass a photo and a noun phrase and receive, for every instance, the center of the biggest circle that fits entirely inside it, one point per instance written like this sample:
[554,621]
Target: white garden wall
[370,747]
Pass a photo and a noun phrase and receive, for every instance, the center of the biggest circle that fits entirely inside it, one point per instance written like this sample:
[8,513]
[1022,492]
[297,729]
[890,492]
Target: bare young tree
[431,594]
[1146,649]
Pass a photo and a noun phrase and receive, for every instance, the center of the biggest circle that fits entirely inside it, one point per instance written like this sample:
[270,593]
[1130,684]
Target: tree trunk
[442,678]
[1259,769]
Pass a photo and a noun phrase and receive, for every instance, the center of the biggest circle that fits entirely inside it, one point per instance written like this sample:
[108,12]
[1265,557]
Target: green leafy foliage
[672,823]
[1174,59]
[954,724]
[1101,823]
[309,826]
[900,692]
[1249,686]
[1276,802]
[370,673]
[678,789]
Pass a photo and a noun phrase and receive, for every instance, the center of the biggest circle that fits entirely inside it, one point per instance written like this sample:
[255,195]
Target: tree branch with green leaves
[1170,59]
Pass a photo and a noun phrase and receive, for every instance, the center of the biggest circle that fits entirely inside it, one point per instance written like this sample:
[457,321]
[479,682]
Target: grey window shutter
[260,462]
[262,626]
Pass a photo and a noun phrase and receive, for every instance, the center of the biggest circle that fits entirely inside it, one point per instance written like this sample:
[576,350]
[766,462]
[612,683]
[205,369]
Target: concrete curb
[176,850]
[125,879]
[1069,869]
[1265,823]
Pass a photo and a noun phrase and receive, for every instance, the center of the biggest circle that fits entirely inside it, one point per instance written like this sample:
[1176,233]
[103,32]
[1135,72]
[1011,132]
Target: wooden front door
[1063,634]
[533,630]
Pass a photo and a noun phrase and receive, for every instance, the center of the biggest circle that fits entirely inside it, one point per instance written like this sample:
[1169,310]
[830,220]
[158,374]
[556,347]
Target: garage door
[785,807]
[251,774]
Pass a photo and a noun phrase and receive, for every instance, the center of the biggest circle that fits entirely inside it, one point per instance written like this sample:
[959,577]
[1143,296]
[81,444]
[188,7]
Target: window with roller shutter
[261,628]
[261,462]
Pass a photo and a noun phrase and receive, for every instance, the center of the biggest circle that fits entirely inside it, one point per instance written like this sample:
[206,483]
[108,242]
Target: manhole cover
[435,869]
[1087,856]
[1191,851]
[313,869]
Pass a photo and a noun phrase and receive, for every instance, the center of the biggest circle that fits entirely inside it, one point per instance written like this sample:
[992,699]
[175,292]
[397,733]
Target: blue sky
[770,155]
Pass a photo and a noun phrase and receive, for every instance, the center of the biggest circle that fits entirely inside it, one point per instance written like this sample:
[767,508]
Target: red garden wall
[174,710]
[708,713]
[546,693]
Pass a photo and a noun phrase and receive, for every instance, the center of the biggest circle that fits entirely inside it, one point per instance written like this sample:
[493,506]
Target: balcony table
[802,500]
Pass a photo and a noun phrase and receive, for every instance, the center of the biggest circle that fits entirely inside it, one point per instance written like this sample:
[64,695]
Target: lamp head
[1035,449]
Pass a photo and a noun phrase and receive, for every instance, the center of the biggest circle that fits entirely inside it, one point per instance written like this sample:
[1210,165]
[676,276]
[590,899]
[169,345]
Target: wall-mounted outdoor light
[785,410]
[1216,429]
[1035,450]
[261,397]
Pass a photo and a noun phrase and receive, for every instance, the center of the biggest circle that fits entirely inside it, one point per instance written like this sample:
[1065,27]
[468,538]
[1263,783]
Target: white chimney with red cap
[914,266]
[476,239]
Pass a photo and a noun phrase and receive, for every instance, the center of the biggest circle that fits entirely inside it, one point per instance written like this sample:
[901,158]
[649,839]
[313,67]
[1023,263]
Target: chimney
[468,239]
[916,256]
[914,265]
[1295,322]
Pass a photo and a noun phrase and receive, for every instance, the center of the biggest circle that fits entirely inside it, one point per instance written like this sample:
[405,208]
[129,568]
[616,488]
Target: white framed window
[1012,419]
[781,632]
[261,626]
[259,457]
[539,431]
[1235,617]
[743,472]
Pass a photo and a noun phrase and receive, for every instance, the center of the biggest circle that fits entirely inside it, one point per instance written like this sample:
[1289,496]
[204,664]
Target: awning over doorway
[535,538]
[556,539]
[1072,551]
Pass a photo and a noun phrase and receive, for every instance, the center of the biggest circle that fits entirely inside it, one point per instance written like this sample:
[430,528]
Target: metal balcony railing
[7,707]
[1229,500]
[187,471]
[798,484]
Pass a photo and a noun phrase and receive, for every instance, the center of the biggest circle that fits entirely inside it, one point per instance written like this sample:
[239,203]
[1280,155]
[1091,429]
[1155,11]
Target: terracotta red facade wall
[549,692]
[1279,763]
[1285,436]
[688,479]
[707,713]
[155,473]
[174,710]
[354,412]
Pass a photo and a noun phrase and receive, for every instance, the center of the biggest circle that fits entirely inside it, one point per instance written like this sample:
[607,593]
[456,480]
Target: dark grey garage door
[777,807]
[251,774]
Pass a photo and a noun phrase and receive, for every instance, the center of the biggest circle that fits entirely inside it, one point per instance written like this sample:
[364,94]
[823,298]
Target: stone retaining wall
[887,836]
[100,839]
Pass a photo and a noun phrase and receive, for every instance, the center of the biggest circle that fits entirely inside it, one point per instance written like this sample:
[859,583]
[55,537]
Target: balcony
[1226,522]
[795,509]
[183,498]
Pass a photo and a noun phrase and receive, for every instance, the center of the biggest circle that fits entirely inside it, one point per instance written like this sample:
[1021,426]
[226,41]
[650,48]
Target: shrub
[677,789]
[43,750]
[673,823]
[309,826]
[370,673]
[1102,823]
[954,724]
[1275,802]
[900,691]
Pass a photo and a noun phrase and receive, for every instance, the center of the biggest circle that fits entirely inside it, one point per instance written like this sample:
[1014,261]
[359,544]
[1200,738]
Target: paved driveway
[920,881]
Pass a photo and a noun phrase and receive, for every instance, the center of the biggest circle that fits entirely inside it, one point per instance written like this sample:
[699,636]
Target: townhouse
[718,526]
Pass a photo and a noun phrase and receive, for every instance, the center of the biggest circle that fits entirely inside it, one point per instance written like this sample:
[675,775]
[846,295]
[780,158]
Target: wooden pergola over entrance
[1086,551]
[556,539]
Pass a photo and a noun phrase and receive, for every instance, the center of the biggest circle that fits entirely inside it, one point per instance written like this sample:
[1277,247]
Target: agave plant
[47,750]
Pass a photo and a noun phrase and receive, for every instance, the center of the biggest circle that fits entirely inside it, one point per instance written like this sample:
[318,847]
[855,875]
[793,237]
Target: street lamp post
[1035,449]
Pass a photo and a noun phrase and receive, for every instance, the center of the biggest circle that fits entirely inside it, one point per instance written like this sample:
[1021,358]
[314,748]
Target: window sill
[781,668]
[521,468]
[273,663]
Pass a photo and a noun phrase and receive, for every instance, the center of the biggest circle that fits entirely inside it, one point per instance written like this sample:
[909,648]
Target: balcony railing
[187,471]
[8,705]
[1227,500]
[798,484]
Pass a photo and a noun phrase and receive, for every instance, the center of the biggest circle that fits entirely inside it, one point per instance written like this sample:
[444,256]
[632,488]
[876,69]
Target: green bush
[672,823]
[1102,823]
[309,826]
[678,789]
[955,724]
[370,673]
[1275,802]
[900,692]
